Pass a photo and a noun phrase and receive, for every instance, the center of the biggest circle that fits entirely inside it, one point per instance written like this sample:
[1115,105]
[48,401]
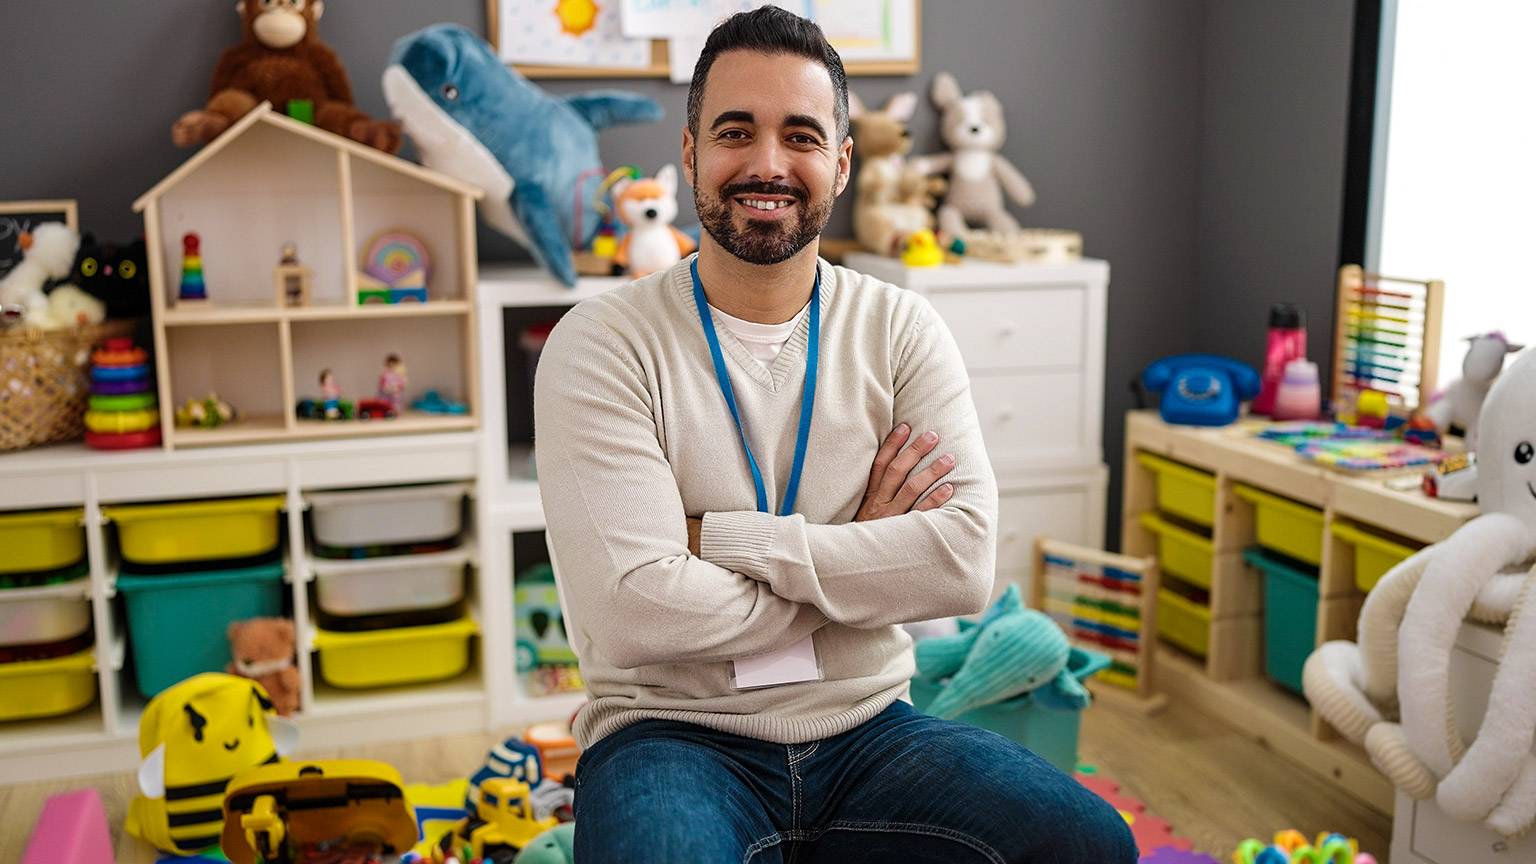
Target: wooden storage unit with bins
[1268,554]
[270,181]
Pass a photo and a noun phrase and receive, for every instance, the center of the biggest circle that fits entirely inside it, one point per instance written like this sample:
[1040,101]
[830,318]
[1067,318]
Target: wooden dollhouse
[271,193]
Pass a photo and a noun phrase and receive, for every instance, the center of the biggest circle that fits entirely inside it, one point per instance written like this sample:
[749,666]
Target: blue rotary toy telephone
[1201,389]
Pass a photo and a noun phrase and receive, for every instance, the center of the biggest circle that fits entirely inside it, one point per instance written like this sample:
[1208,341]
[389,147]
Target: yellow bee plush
[194,737]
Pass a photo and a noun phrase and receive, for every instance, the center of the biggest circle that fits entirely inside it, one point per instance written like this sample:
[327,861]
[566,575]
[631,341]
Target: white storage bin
[400,584]
[408,514]
[51,613]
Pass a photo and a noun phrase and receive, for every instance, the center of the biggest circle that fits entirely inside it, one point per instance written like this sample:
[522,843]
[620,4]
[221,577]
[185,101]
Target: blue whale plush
[535,155]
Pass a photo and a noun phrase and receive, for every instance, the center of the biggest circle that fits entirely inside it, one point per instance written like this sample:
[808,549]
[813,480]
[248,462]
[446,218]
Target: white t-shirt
[762,341]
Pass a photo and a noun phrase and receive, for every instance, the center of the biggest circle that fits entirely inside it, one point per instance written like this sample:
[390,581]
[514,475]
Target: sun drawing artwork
[576,16]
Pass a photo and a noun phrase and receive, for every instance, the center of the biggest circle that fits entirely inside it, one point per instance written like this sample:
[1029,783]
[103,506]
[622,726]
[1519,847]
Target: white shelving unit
[509,509]
[103,737]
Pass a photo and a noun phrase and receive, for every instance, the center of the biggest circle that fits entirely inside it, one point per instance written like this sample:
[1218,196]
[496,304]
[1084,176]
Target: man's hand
[891,492]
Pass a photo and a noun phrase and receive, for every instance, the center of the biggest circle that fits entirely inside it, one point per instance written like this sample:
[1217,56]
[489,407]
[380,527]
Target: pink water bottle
[1287,341]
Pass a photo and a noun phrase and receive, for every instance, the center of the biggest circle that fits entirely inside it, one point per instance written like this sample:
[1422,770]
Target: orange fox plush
[648,206]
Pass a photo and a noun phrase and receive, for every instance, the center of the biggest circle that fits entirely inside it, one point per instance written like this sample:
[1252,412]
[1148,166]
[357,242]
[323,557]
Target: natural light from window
[1459,198]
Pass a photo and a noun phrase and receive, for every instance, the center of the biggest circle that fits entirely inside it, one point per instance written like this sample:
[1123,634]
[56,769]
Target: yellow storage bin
[1285,526]
[41,540]
[196,530]
[1180,551]
[1182,490]
[47,688]
[1183,622]
[1374,555]
[399,655]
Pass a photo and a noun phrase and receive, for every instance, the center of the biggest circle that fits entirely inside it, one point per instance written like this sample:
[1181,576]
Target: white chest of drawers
[1422,833]
[1032,336]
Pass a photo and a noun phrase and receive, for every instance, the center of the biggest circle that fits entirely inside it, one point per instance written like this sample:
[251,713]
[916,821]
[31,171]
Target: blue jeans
[901,787]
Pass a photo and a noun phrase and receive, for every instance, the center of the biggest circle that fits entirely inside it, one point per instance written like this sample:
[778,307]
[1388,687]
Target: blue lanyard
[807,395]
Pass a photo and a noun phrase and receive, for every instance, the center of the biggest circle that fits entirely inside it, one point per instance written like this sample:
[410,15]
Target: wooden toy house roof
[264,113]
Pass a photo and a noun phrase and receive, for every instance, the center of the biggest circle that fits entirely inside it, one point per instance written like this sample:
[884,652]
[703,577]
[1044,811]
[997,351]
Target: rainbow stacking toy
[123,411]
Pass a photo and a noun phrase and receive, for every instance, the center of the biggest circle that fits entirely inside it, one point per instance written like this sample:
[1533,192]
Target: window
[1453,191]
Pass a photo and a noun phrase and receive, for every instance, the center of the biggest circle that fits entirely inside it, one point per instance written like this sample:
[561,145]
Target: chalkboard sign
[17,217]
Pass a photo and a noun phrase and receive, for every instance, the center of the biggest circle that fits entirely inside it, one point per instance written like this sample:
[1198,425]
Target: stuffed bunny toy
[979,175]
[894,200]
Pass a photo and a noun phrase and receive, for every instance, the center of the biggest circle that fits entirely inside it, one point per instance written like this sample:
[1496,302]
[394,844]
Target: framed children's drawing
[662,38]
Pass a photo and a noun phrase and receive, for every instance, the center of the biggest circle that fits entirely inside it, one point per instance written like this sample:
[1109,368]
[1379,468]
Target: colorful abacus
[123,412]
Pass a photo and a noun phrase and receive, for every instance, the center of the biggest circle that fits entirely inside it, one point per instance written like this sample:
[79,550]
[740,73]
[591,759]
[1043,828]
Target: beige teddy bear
[263,651]
[979,175]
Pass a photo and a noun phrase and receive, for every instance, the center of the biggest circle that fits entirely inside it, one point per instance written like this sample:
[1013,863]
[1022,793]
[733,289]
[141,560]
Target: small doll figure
[330,395]
[392,382]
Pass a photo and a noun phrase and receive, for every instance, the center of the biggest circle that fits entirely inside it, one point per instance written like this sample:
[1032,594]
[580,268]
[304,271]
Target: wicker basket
[45,380]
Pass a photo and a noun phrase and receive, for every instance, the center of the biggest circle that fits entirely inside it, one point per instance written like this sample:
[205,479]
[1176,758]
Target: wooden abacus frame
[1410,309]
[1144,573]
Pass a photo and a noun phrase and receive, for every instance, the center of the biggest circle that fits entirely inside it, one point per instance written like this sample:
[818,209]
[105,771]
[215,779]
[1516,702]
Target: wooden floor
[1213,785]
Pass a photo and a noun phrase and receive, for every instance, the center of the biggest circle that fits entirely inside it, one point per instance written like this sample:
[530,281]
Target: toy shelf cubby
[1230,681]
[103,737]
[270,181]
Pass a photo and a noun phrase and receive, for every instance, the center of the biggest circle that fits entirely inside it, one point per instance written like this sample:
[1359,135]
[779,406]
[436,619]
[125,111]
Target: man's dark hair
[770,30]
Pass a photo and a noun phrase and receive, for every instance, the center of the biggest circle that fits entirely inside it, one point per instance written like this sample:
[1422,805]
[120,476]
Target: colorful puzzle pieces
[1151,833]
[1170,855]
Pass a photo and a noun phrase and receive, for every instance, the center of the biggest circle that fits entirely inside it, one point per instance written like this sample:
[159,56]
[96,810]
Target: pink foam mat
[1153,835]
[72,829]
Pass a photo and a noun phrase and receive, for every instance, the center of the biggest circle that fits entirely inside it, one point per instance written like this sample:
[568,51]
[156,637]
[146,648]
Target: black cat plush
[115,274]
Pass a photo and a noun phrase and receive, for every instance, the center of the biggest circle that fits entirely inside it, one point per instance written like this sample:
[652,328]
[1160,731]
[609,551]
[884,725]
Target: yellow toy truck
[345,811]
[502,825]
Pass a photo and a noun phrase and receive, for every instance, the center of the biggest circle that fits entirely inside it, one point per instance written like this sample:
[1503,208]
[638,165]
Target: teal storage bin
[177,625]
[1050,733]
[1290,617]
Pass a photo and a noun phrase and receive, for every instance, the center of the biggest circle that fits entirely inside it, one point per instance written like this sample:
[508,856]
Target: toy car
[369,409]
[314,409]
[502,825]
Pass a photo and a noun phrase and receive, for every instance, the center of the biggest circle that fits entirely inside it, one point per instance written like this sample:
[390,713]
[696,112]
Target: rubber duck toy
[922,250]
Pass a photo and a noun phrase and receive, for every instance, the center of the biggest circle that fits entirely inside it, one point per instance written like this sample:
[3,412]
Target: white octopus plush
[1391,692]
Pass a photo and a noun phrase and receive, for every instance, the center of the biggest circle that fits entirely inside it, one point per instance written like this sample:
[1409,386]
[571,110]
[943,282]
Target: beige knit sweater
[633,435]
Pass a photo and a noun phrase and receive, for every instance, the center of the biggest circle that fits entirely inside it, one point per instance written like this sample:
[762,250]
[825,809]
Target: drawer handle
[1007,329]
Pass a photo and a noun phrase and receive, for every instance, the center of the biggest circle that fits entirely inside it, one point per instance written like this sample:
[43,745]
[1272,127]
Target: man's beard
[761,242]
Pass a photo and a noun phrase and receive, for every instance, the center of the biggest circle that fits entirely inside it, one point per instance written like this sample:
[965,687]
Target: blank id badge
[791,665]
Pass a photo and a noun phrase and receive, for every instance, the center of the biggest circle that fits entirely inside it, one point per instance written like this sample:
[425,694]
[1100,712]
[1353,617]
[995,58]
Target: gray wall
[1196,144]
[1273,116]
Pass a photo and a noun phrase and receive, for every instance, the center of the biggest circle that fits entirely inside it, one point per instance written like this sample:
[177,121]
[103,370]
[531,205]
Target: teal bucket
[1290,617]
[178,624]
[1050,732]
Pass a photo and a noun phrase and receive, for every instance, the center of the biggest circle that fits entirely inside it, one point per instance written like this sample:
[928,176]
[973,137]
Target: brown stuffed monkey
[280,58]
